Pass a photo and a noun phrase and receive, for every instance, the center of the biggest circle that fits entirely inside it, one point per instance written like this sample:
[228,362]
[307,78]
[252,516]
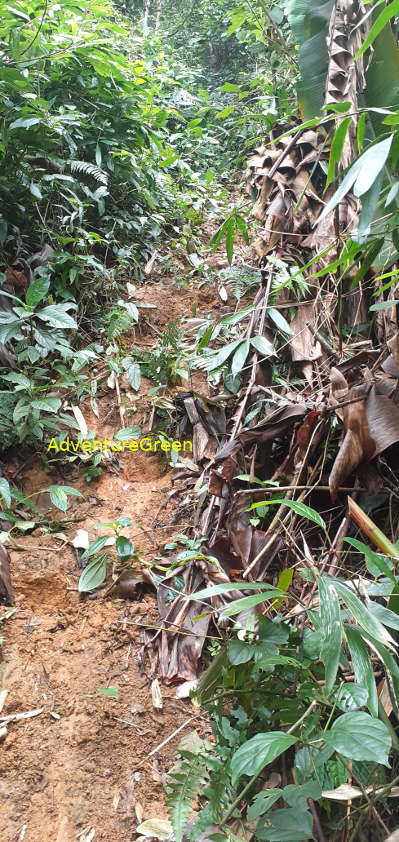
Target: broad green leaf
[343,189]
[311,644]
[331,630]
[351,697]
[372,162]
[242,227]
[95,546]
[93,575]
[393,602]
[237,20]
[59,495]
[369,205]
[218,358]
[262,802]
[218,235]
[128,433]
[279,320]
[131,309]
[297,507]
[360,131]
[376,563]
[56,316]
[362,666]
[48,404]
[68,490]
[229,88]
[36,291]
[384,305]
[361,614]
[384,615]
[16,377]
[390,11]
[338,107]
[277,14]
[230,232]
[237,317]
[392,194]
[123,521]
[309,23]
[124,547]
[239,358]
[360,737]
[391,666]
[133,374]
[296,795]
[247,602]
[257,752]
[226,587]
[59,498]
[5,494]
[288,824]
[272,632]
[361,174]
[274,660]
[25,122]
[225,113]
[10,329]
[239,651]
[337,147]
[261,344]
[284,581]
[18,13]
[21,410]
[386,657]
[35,190]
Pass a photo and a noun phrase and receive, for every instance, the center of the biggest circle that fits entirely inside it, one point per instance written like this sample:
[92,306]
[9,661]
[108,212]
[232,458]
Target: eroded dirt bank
[82,765]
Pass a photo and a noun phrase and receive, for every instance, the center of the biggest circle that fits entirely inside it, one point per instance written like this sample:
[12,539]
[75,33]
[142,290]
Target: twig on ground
[168,739]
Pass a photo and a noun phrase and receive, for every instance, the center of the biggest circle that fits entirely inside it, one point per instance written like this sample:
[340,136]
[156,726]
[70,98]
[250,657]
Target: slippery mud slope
[80,769]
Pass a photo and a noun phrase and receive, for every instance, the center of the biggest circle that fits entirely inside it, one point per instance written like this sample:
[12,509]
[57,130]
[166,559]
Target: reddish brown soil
[84,769]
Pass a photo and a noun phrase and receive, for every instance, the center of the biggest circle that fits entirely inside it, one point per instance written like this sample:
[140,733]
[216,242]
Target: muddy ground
[81,769]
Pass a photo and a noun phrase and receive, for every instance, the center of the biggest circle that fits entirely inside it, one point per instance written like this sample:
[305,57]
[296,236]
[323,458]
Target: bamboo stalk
[372,531]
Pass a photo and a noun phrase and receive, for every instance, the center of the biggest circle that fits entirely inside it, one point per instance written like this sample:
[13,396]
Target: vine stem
[254,777]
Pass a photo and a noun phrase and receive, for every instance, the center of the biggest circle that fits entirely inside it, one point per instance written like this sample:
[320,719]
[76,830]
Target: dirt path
[77,767]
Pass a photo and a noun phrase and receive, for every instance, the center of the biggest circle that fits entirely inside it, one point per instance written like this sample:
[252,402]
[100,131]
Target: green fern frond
[172,336]
[118,321]
[182,789]
[89,169]
[240,279]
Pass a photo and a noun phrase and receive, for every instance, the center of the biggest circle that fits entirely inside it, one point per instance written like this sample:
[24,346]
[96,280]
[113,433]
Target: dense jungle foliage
[125,126]
[110,141]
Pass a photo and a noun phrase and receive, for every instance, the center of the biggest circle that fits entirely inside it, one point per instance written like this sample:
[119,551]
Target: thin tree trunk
[146,15]
[158,15]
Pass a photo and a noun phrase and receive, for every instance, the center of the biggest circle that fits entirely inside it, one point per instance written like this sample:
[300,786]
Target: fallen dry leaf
[346,792]
[304,345]
[155,828]
[371,425]
[156,694]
